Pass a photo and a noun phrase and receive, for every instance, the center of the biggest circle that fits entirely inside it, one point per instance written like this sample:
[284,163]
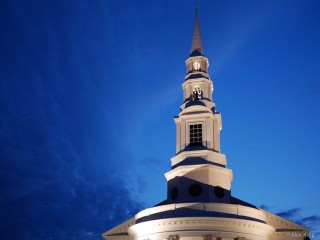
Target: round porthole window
[174,193]
[219,192]
[195,190]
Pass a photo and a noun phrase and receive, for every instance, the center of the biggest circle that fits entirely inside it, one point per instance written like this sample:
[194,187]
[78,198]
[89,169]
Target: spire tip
[196,46]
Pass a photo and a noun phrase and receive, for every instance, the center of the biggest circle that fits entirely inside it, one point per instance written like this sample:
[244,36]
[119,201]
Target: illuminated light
[197,94]
[196,66]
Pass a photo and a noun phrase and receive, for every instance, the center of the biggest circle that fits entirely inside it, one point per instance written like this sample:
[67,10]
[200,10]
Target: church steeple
[196,46]
[198,168]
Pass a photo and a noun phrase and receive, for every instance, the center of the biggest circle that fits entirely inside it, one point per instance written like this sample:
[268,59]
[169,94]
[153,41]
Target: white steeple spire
[196,46]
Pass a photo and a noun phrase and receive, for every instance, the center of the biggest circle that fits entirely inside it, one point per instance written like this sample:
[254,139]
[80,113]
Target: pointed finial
[196,46]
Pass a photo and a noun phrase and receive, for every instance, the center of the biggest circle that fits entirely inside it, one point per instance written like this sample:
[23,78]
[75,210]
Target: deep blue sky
[88,91]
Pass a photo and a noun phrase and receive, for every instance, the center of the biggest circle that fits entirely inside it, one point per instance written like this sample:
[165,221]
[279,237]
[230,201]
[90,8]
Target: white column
[204,133]
[216,136]
[209,126]
[178,137]
[183,135]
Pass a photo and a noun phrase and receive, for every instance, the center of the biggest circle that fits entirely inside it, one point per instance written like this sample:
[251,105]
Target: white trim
[208,155]
[196,227]
[203,173]
[235,209]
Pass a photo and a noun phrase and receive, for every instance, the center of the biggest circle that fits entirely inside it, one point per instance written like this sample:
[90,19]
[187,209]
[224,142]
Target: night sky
[89,89]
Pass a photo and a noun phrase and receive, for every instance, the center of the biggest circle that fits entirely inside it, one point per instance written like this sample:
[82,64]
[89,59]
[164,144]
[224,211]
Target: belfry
[199,204]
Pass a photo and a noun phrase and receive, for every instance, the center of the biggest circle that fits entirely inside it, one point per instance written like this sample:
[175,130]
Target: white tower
[199,205]
[199,172]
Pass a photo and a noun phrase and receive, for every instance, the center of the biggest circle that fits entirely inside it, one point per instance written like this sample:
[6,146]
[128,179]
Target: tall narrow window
[196,134]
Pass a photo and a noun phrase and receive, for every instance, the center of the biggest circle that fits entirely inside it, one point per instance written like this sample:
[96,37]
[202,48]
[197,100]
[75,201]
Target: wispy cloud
[313,222]
[265,207]
[290,214]
[296,215]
